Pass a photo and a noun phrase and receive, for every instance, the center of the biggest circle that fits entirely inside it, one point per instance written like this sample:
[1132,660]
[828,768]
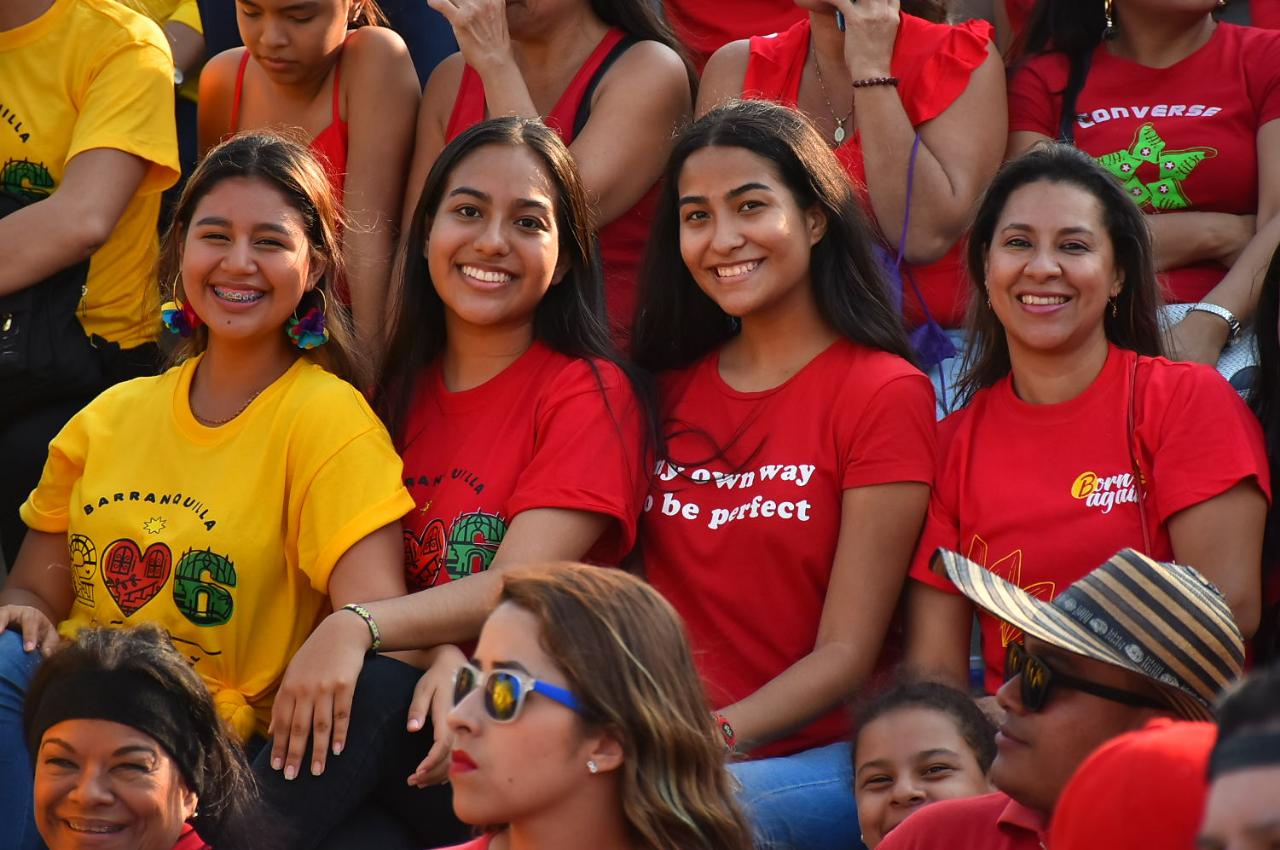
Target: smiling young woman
[798,451]
[324,69]
[242,493]
[1078,438]
[523,440]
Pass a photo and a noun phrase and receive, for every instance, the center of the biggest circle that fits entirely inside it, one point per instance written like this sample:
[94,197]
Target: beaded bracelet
[875,81]
[363,613]
[726,732]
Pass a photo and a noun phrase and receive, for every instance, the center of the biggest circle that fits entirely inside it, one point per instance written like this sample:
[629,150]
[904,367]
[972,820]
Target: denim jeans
[803,801]
[319,811]
[17,826]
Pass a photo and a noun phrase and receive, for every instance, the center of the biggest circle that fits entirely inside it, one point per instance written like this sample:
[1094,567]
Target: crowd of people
[402,447]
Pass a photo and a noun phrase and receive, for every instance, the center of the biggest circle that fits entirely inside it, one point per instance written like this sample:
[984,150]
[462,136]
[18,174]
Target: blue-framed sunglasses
[505,691]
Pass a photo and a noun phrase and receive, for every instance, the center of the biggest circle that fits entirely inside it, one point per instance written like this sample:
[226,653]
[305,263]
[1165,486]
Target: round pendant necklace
[839,135]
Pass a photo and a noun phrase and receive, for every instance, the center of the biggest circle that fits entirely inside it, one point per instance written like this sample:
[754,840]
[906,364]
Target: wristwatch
[1233,324]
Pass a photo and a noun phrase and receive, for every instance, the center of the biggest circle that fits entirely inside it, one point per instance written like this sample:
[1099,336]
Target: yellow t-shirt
[224,536]
[92,74]
[186,12]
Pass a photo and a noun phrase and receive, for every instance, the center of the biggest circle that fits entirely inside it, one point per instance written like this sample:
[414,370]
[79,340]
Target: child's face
[906,759]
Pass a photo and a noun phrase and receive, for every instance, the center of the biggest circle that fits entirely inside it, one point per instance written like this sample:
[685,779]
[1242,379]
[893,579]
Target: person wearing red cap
[1144,789]
[1131,641]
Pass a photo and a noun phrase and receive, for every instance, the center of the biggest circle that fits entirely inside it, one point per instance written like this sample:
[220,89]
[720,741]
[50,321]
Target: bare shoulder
[442,85]
[375,46]
[724,75]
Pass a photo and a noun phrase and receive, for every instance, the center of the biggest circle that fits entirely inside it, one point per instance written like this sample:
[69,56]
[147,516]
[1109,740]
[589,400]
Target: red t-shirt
[704,26]
[1042,494]
[623,240]
[743,538]
[933,63]
[541,434]
[990,822]
[1182,138]
[190,840]
[1265,13]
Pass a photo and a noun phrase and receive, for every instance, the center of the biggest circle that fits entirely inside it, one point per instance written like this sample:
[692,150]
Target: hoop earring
[1109,31]
[310,331]
[177,315]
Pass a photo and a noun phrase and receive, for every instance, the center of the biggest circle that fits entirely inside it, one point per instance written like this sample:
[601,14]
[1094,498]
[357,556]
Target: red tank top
[933,63]
[623,240]
[329,145]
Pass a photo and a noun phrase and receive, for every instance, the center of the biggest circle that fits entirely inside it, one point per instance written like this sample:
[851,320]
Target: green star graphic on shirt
[1172,166]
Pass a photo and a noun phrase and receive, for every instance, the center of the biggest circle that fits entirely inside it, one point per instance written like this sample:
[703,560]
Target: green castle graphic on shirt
[1172,166]
[473,541]
[27,179]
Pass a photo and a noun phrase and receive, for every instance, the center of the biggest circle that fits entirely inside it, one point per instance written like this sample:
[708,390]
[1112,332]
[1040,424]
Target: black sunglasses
[1039,680]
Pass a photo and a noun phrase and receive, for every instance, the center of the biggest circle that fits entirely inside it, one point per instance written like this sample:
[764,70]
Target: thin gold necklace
[839,133]
[214,423]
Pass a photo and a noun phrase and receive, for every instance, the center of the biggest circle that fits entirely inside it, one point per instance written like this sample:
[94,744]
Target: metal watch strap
[1233,324]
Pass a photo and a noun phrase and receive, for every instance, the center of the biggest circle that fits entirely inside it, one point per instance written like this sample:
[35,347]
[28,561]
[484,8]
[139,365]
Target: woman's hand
[434,694]
[870,29]
[316,692]
[480,27]
[36,629]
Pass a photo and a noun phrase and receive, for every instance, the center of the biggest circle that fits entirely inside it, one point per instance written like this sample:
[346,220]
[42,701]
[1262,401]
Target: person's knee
[17,666]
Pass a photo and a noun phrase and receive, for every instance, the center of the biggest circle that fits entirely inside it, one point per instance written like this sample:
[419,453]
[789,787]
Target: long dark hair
[1264,398]
[1136,325]
[1071,27]
[570,317]
[643,20]
[625,654]
[291,169]
[230,812]
[678,323]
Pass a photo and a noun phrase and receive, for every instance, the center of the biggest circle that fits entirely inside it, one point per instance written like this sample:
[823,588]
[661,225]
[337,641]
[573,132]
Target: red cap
[1141,790]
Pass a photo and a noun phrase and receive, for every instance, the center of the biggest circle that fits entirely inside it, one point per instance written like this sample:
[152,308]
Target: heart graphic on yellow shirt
[133,577]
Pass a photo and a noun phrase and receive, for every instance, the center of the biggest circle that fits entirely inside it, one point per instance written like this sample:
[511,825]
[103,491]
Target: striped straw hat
[1162,621]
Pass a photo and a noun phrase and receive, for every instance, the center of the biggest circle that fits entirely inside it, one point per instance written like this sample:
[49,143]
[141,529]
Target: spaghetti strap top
[329,145]
[623,240]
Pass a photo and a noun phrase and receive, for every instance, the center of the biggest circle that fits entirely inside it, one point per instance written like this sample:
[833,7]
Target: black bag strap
[584,108]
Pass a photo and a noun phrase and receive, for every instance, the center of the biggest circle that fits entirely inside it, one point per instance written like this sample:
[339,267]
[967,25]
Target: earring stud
[592,766]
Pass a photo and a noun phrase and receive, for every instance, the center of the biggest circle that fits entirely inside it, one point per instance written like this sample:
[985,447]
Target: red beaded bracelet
[726,731]
[875,81]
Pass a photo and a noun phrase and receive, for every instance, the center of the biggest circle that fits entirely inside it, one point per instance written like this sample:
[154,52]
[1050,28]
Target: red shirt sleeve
[1206,441]
[934,63]
[895,436]
[588,454]
[1260,50]
[941,527]
[1035,95]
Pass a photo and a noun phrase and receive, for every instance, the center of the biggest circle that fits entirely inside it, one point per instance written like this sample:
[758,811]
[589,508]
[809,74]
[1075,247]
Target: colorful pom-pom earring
[177,315]
[310,331]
